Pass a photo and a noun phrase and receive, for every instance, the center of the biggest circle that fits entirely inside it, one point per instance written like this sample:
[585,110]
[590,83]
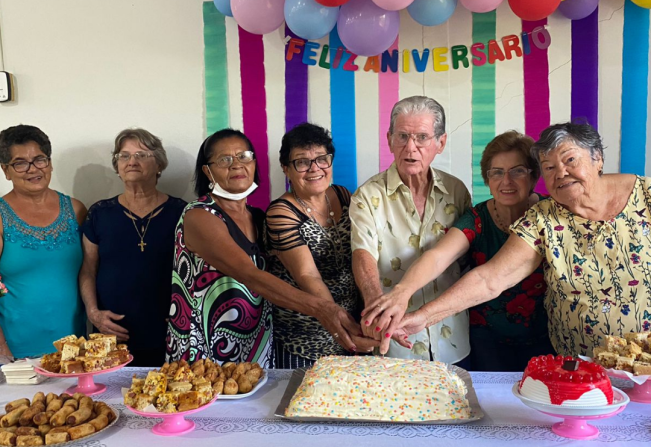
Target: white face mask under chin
[221,192]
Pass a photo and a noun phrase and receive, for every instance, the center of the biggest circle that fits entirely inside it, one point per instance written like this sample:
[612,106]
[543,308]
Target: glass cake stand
[574,424]
[85,383]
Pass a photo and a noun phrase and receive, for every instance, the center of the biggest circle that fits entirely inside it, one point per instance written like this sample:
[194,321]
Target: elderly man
[400,213]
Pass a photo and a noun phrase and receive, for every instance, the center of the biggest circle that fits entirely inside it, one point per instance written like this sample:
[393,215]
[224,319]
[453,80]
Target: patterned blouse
[213,315]
[299,334]
[517,316]
[598,272]
[386,224]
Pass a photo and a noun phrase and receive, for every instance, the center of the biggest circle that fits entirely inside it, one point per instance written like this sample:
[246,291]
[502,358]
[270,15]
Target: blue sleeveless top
[40,266]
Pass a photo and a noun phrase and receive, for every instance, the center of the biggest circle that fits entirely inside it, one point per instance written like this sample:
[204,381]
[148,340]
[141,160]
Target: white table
[251,421]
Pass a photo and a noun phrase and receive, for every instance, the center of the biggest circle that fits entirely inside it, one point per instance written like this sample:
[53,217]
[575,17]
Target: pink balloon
[393,5]
[481,5]
[258,16]
[366,29]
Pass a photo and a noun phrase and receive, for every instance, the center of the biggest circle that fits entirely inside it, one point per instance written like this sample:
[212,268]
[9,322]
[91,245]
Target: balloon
[224,6]
[481,5]
[258,16]
[533,9]
[578,9]
[431,12]
[643,3]
[310,20]
[393,5]
[366,29]
[332,2]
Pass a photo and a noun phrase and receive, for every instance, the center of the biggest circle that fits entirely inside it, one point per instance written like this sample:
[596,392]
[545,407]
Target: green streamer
[483,103]
[216,71]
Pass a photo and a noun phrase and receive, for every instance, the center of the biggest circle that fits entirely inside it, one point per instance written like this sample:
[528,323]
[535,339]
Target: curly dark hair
[305,135]
[201,182]
[21,134]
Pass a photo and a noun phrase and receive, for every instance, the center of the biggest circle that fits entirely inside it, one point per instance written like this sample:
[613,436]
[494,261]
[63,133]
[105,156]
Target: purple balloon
[366,29]
[578,9]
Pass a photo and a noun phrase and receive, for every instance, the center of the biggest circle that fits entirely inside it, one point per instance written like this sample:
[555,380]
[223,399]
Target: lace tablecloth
[251,421]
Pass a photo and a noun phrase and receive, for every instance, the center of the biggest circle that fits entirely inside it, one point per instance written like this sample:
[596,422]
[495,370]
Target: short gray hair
[583,135]
[146,139]
[420,104]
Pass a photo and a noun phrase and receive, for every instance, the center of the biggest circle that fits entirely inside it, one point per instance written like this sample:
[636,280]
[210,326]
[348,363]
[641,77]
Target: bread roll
[7,438]
[80,431]
[11,418]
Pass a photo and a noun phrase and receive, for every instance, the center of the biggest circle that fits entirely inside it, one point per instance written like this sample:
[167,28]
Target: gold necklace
[132,216]
[500,223]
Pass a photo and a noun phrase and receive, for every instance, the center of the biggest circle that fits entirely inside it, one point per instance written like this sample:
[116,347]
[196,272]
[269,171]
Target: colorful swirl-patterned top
[212,315]
[598,273]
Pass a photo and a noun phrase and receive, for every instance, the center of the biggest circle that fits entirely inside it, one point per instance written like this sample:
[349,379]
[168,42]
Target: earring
[211,185]
[601,172]
[159,172]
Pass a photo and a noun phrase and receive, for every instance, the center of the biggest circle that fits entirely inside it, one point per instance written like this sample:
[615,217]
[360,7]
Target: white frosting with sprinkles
[380,388]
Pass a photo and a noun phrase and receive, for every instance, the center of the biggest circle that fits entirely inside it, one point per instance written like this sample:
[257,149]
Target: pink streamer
[389,94]
[254,110]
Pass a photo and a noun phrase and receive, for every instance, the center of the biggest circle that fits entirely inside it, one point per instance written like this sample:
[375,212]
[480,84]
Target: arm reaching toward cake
[388,309]
[514,262]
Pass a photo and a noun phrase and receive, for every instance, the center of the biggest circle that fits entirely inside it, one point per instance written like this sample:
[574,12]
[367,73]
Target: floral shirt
[517,316]
[386,224]
[598,273]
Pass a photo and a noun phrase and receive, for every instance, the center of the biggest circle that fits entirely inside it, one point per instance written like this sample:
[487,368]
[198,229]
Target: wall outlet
[6,88]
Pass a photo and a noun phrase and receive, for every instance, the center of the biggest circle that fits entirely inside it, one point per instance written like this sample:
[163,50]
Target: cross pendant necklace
[132,216]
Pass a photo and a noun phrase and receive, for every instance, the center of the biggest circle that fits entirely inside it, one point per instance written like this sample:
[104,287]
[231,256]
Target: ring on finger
[335,335]
[379,306]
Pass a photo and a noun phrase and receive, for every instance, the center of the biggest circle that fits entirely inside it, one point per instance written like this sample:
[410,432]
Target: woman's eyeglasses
[304,164]
[227,160]
[23,166]
[514,173]
[138,156]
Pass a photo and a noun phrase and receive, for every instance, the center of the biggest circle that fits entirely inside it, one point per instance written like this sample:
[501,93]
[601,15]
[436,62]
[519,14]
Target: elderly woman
[41,249]
[402,212]
[219,279]
[128,248]
[308,230]
[594,235]
[510,329]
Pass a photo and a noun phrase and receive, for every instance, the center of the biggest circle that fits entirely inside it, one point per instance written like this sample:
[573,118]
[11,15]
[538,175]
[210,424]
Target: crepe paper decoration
[388,95]
[254,110]
[536,90]
[342,116]
[585,68]
[215,74]
[635,78]
[483,101]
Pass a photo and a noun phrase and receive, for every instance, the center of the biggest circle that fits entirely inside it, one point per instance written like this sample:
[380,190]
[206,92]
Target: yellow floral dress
[386,224]
[598,273]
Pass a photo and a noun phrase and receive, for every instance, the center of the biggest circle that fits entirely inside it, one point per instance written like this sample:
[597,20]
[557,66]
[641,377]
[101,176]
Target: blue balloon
[431,12]
[310,20]
[224,6]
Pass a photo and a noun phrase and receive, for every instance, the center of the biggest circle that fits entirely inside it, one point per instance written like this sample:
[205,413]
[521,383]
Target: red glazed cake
[566,381]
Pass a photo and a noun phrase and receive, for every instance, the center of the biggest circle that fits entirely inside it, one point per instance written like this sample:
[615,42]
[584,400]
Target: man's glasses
[138,156]
[515,173]
[23,166]
[227,160]
[304,164]
[420,139]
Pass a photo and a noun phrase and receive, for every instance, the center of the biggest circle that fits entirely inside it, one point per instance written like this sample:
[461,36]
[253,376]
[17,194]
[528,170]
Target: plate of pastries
[54,419]
[629,354]
[76,356]
[180,386]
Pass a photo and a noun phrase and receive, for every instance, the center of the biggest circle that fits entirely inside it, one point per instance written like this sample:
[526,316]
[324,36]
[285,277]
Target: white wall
[86,69]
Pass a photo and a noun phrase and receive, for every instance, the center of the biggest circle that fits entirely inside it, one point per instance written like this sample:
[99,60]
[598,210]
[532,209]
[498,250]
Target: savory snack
[78,355]
[65,418]
[380,388]
[566,381]
[630,353]
[181,386]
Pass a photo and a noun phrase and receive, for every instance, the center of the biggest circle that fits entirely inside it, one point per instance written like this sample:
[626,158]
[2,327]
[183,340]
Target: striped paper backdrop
[596,70]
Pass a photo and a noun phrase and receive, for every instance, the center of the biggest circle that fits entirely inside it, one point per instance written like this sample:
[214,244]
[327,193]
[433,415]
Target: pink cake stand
[640,393]
[576,427]
[173,424]
[85,383]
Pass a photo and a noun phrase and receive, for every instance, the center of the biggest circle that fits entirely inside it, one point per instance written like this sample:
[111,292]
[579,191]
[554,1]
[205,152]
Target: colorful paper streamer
[254,110]
[585,69]
[389,94]
[216,72]
[635,74]
[483,103]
